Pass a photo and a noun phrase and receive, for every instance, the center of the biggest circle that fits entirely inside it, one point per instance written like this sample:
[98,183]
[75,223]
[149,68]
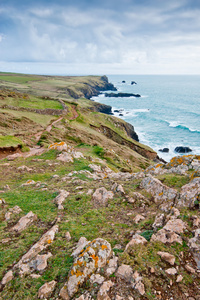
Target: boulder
[159,221]
[93,256]
[189,194]
[171,271]
[159,191]
[101,197]
[165,236]
[24,222]
[12,211]
[61,198]
[182,149]
[167,257]
[125,272]
[165,150]
[136,239]
[46,289]
[104,289]
[194,245]
[31,258]
[175,225]
[8,277]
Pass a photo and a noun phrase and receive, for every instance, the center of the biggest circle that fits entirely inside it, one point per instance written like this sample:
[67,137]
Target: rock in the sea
[133,82]
[121,95]
[164,150]
[182,149]
[101,197]
[46,289]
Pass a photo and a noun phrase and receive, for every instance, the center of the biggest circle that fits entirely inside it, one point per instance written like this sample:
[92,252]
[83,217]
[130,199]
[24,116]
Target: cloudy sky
[100,36]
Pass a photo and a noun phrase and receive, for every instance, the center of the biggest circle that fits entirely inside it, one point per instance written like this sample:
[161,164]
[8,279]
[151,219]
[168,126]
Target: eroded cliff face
[91,87]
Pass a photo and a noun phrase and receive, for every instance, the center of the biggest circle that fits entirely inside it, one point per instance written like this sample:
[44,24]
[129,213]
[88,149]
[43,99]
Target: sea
[166,115]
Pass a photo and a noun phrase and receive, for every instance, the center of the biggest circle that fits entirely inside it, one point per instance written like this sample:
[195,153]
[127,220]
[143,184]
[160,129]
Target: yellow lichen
[104,247]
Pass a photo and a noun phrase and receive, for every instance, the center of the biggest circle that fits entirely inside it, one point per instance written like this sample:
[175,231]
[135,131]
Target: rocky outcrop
[103,108]
[181,149]
[122,95]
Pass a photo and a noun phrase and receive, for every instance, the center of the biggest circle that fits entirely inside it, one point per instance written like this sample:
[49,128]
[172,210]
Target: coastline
[163,117]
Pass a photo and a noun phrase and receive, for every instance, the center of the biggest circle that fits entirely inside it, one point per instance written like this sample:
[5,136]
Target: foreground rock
[32,260]
[190,194]
[94,255]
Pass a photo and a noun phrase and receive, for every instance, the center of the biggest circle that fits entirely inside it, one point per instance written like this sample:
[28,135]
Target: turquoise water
[167,114]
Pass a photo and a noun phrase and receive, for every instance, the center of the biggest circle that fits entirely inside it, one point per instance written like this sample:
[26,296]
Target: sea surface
[168,113]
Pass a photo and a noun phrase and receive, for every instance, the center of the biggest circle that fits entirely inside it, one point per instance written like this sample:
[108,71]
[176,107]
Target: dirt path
[48,129]
[37,150]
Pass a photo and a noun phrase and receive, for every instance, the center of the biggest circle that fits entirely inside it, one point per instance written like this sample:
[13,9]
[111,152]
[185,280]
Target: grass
[10,141]
[18,79]
[174,180]
[43,120]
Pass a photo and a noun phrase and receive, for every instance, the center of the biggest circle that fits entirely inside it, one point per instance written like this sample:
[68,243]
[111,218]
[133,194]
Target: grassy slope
[114,222]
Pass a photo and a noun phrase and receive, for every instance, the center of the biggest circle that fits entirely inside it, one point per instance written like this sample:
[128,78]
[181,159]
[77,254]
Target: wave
[176,124]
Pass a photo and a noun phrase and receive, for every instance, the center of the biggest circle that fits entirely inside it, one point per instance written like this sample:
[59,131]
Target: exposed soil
[4,152]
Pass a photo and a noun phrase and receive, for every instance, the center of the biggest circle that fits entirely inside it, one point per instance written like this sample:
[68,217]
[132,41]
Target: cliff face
[93,87]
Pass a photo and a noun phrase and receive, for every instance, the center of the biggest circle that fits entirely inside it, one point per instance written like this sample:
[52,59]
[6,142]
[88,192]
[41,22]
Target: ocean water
[167,114]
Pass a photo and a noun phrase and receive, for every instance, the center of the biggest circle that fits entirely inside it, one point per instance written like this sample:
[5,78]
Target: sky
[80,37]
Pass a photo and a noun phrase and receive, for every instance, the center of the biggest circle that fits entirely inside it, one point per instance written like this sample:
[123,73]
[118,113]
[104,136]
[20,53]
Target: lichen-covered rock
[159,191]
[39,263]
[101,197]
[29,182]
[96,278]
[24,222]
[136,239]
[26,263]
[61,198]
[167,257]
[189,194]
[59,146]
[46,289]
[94,255]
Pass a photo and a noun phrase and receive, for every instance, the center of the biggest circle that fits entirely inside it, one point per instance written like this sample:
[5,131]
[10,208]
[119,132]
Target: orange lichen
[79,273]
[160,194]
[95,259]
[104,247]
[72,272]
[49,241]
